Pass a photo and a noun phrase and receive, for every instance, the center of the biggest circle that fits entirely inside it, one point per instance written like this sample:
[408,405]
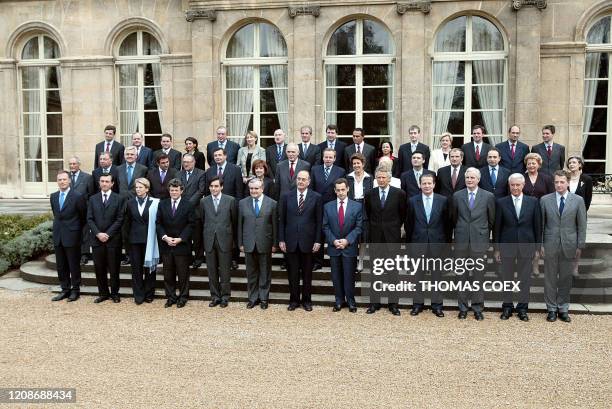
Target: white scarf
[152,253]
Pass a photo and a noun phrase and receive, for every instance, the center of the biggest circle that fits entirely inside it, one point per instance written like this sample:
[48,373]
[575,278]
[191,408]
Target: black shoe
[564,316]
[506,313]
[337,307]
[169,303]
[101,298]
[478,316]
[264,305]
[84,260]
[283,265]
[462,315]
[316,267]
[416,310]
[125,261]
[74,295]
[234,265]
[196,264]
[292,306]
[522,315]
[252,304]
[214,303]
[116,298]
[61,296]
[138,302]
[149,300]
[552,316]
[181,303]
[352,308]
[438,312]
[223,303]
[307,307]
[394,310]
[373,308]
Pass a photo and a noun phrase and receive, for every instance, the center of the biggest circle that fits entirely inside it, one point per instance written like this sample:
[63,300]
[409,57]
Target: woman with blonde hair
[441,157]
[248,154]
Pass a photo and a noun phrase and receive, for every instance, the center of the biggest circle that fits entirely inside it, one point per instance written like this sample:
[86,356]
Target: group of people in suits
[300,198]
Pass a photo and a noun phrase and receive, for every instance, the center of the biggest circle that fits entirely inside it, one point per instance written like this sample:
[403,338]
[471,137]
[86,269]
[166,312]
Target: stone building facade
[69,68]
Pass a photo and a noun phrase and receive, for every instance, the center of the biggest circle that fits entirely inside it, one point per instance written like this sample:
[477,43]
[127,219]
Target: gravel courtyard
[128,356]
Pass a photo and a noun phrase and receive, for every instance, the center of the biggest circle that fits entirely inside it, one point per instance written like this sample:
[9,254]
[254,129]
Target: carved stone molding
[424,6]
[539,4]
[314,11]
[204,14]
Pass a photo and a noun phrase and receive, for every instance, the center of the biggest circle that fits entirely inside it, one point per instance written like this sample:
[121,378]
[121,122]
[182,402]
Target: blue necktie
[61,199]
[279,152]
[428,208]
[129,174]
[256,207]
[326,173]
[383,198]
[471,200]
[493,176]
[561,205]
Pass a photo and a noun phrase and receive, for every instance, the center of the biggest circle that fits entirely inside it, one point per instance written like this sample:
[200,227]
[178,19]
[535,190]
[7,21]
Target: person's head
[188,162]
[175,188]
[493,157]
[358,161]
[516,181]
[455,156]
[191,144]
[383,176]
[221,134]
[385,163]
[63,180]
[106,182]
[306,133]
[137,139]
[219,156]
[548,133]
[331,132]
[575,163]
[446,140]
[109,132]
[417,159]
[533,161]
[292,152]
[163,161]
[74,164]
[358,136]
[303,180]
[472,177]
[514,132]
[428,183]
[142,186]
[104,160]
[386,148]
[130,153]
[255,187]
[341,188]
[250,139]
[414,133]
[166,141]
[259,168]
[478,132]
[561,179]
[329,157]
[215,185]
[279,137]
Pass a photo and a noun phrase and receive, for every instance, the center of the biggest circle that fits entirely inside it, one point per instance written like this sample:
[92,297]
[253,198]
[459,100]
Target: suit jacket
[368,151]
[272,158]
[473,226]
[231,150]
[145,157]
[542,186]
[257,233]
[116,152]
[300,230]
[500,189]
[140,171]
[418,229]
[312,156]
[444,181]
[566,232]
[385,224]
[259,153]
[517,236]
[409,183]
[351,229]
[219,225]
[339,147]
[469,155]
[232,180]
[159,189]
[368,184]
[96,178]
[200,159]
[516,165]
[556,160]
[404,156]
[84,184]
[180,225]
[585,190]
[106,218]
[325,188]
[175,158]
[69,221]
[137,225]
[437,160]
[194,187]
[283,181]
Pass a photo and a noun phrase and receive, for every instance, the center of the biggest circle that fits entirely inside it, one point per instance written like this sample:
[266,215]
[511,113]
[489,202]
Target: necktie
[105,171]
[291,171]
[141,200]
[383,198]
[561,206]
[216,202]
[471,200]
[187,176]
[104,199]
[454,177]
[279,152]
[341,215]
[428,207]
[301,203]
[130,170]
[256,207]
[61,199]
[326,173]
[358,149]
[517,207]
[549,151]
[162,175]
[304,148]
[512,151]
[417,175]
[108,146]
[477,152]
[73,178]
[173,207]
[413,147]
[220,171]
[493,176]
[331,145]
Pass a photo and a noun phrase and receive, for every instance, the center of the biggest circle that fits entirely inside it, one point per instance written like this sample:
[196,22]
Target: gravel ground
[128,356]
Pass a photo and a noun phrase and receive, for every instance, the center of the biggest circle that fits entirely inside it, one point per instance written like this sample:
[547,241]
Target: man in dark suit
[229,172]
[427,232]
[231,148]
[257,233]
[494,178]
[287,170]
[144,154]
[194,186]
[159,177]
[82,183]
[276,153]
[385,211]
[111,146]
[342,226]
[513,151]
[69,209]
[106,168]
[299,236]
[105,212]
[128,172]
[553,154]
[324,176]
[219,219]
[475,152]
[309,152]
[404,155]
[360,146]
[175,218]
[332,142]
[451,179]
[410,179]
[518,236]
[174,156]
[473,212]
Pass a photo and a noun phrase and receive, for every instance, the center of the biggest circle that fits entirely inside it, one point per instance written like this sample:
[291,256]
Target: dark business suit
[283,182]
[143,279]
[116,153]
[368,151]
[231,151]
[99,172]
[542,186]
[325,187]
[553,162]
[232,180]
[176,259]
[194,190]
[68,225]
[500,188]
[84,184]
[159,189]
[312,156]
[174,156]
[268,187]
[106,218]
[469,155]
[200,159]
[585,190]
[339,147]
[128,189]
[300,229]
[444,180]
[145,157]
[273,158]
[404,157]
[517,239]
[410,184]
[516,164]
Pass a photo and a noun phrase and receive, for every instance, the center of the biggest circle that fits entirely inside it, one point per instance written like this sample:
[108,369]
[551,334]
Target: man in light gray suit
[473,211]
[564,220]
[84,184]
[219,218]
[287,170]
[257,229]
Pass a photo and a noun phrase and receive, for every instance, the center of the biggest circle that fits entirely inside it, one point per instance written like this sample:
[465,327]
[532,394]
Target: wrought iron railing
[602,183]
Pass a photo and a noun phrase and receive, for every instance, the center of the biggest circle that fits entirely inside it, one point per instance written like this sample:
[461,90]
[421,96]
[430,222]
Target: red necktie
[512,151]
[291,171]
[341,215]
[477,152]
[107,146]
[454,177]
[549,151]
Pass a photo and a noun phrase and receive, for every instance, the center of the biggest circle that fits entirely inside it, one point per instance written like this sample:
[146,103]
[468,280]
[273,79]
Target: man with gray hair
[275,153]
[194,182]
[287,170]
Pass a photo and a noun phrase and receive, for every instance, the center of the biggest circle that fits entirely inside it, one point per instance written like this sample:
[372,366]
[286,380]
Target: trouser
[436,296]
[198,241]
[259,275]
[218,264]
[523,268]
[296,261]
[557,280]
[176,266]
[85,242]
[471,284]
[107,260]
[343,278]
[68,264]
[143,279]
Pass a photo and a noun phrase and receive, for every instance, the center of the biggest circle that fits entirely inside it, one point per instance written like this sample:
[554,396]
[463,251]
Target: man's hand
[497,256]
[274,249]
[316,247]
[542,252]
[283,246]
[103,237]
[578,254]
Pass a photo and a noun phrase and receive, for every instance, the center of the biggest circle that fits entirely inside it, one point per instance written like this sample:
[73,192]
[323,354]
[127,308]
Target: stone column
[9,121]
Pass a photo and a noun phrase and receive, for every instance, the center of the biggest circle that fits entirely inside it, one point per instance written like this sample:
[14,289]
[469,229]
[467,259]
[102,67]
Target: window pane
[376,39]
[128,122]
[269,123]
[376,124]
[237,101]
[340,75]
[271,41]
[452,37]
[491,120]
[54,166]
[488,97]
[31,101]
[448,98]
[129,46]
[600,32]
[128,74]
[55,148]
[128,98]
[376,99]
[31,124]
[485,36]
[598,123]
[54,124]
[150,45]
[239,77]
[451,72]
[54,102]
[152,123]
[51,49]
[488,72]
[345,123]
[594,167]
[150,100]
[148,80]
[601,97]
[273,76]
[267,101]
[377,75]
[33,171]
[242,43]
[29,78]
[455,123]
[30,50]
[342,42]
[31,148]
[596,65]
[234,122]
[595,147]
[51,73]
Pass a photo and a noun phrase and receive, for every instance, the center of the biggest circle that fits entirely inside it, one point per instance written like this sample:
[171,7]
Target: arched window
[597,120]
[469,79]
[359,79]
[139,82]
[41,106]
[256,93]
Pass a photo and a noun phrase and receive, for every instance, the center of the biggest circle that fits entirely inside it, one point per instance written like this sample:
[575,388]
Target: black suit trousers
[68,267]
[297,261]
[523,267]
[107,260]
[143,280]
[176,266]
[343,277]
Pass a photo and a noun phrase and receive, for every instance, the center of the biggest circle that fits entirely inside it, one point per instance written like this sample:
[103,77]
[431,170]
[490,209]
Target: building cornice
[424,6]
[519,4]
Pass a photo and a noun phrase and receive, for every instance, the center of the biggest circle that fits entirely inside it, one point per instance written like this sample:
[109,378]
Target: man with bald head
[287,170]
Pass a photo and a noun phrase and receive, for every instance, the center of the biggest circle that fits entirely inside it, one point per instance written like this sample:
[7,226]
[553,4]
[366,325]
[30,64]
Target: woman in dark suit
[260,170]
[537,184]
[191,147]
[360,183]
[386,149]
[580,184]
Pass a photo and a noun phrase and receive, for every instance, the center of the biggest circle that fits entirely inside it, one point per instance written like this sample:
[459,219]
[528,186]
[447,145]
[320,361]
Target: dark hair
[510,129]
[257,164]
[360,130]
[340,181]
[578,158]
[494,149]
[194,141]
[216,178]
[218,148]
[167,135]
[427,175]
[482,128]
[419,152]
[110,128]
[551,128]
[331,127]
[160,157]
[175,183]
[562,173]
[110,175]
[59,172]
[415,128]
[380,152]
[359,157]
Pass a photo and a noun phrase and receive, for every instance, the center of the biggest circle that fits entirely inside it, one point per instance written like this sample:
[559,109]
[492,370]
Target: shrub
[13,225]
[29,245]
